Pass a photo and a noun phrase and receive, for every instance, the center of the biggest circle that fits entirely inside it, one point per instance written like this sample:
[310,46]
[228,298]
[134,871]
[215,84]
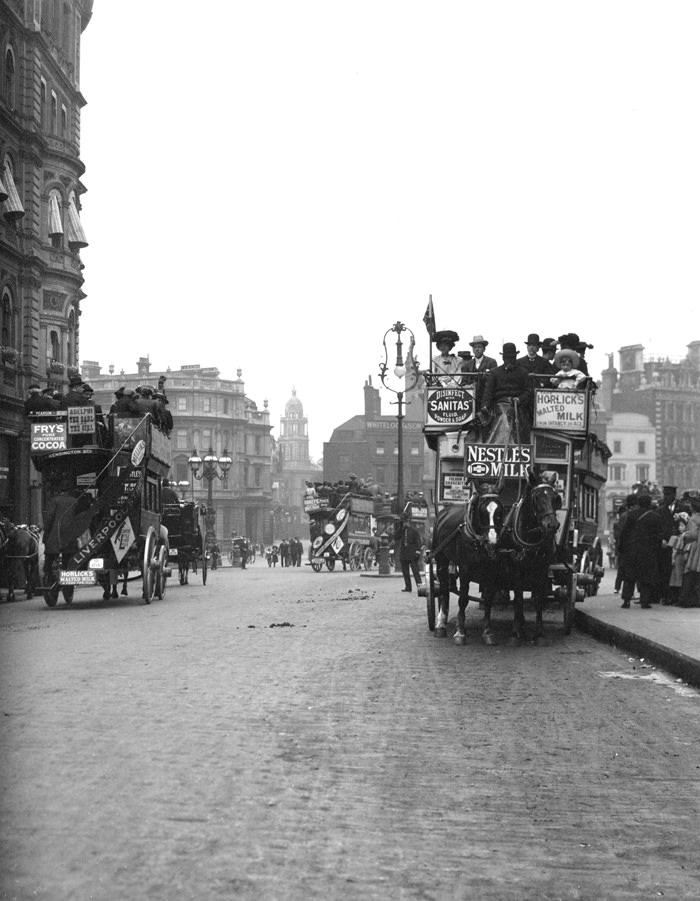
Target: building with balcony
[40,231]
[209,412]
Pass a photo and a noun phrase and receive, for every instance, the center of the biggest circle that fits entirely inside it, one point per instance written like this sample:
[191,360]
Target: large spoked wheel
[149,564]
[330,564]
[570,604]
[68,593]
[51,596]
[355,556]
[161,572]
[317,565]
[368,558]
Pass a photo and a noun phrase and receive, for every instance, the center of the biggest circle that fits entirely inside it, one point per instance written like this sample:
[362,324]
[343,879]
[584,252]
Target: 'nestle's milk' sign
[563,411]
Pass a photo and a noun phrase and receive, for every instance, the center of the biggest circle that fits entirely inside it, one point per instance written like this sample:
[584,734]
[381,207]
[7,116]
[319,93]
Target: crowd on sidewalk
[658,549]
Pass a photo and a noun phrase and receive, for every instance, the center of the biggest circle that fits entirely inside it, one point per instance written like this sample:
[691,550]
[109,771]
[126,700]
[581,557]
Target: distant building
[210,412]
[40,231]
[293,467]
[367,445]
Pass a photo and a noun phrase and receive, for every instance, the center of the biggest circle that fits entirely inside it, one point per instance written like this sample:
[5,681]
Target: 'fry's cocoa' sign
[449,407]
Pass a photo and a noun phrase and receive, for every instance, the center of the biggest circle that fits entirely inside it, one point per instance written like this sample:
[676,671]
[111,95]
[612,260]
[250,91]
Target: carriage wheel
[51,596]
[68,593]
[317,565]
[355,556]
[570,604]
[368,558]
[204,568]
[431,585]
[330,564]
[147,569]
[161,572]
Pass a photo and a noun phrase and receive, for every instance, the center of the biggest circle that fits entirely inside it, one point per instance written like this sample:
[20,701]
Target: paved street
[281,734]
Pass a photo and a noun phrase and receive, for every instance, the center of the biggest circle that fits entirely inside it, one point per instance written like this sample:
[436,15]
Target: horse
[19,545]
[499,550]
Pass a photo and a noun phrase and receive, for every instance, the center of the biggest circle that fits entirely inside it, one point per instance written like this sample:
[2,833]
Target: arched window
[10,77]
[55,346]
[7,323]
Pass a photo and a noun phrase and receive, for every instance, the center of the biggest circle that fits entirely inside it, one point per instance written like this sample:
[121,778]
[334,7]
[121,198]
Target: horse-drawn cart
[102,506]
[517,515]
[186,548]
[340,528]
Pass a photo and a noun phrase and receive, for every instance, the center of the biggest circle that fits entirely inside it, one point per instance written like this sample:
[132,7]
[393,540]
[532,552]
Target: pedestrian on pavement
[669,528]
[410,546]
[640,540]
[630,504]
[244,552]
[678,558]
[690,590]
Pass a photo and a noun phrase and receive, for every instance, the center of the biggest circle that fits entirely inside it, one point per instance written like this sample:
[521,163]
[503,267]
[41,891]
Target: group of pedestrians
[658,549]
[287,553]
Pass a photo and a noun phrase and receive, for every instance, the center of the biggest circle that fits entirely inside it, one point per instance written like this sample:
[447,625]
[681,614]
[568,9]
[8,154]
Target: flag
[429,318]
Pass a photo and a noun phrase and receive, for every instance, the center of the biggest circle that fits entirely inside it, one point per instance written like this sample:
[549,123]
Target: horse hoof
[440,632]
[460,639]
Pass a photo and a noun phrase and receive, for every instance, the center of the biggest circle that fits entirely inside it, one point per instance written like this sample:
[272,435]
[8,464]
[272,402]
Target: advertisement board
[448,408]
[81,420]
[561,411]
[48,436]
[495,461]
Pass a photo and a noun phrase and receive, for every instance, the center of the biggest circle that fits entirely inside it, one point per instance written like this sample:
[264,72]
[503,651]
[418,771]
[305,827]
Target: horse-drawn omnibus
[520,514]
[102,505]
[340,529]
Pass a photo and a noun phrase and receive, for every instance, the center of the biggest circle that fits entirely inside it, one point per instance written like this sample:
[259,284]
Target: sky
[272,185]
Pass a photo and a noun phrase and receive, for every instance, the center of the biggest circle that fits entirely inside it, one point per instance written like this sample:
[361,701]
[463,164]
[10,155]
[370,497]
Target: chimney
[373,403]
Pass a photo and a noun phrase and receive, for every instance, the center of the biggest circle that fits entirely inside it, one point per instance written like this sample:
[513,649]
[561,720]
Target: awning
[12,207]
[3,192]
[76,235]
[55,224]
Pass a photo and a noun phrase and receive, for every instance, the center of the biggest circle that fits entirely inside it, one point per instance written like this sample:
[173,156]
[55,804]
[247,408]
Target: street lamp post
[398,373]
[208,468]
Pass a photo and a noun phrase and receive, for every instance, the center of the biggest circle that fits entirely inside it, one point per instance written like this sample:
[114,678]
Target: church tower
[294,433]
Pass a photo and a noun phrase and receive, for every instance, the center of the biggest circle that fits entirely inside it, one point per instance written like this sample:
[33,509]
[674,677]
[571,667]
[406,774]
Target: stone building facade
[209,412]
[41,235]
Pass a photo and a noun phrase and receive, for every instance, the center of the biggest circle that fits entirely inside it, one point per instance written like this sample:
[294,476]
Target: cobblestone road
[282,734]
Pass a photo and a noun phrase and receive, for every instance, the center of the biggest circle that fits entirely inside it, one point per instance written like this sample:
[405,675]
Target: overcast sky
[271,185]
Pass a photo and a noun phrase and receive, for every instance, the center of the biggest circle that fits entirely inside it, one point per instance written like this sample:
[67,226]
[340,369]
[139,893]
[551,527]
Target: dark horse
[510,551]
[19,546]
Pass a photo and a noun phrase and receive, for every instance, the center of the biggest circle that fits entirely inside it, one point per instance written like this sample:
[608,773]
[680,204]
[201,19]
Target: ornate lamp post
[395,380]
[208,468]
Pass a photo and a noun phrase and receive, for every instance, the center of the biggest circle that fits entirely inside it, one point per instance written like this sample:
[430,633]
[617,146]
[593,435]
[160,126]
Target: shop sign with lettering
[495,461]
[47,437]
[562,411]
[448,408]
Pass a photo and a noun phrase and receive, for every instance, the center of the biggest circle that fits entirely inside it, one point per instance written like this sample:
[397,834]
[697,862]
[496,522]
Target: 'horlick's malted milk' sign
[449,407]
[564,411]
[495,461]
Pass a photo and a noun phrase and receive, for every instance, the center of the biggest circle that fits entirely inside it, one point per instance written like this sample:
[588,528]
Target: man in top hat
[582,347]
[549,348]
[74,397]
[666,511]
[533,362]
[505,384]
[446,364]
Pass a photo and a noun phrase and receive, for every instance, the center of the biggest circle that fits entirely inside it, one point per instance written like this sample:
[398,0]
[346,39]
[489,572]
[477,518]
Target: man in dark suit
[640,540]
[409,546]
[666,512]
[533,363]
[507,383]
[40,401]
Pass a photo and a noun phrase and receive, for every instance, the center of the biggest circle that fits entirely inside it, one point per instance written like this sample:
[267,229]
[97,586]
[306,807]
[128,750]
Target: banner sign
[562,411]
[125,492]
[48,436]
[495,461]
[81,420]
[448,408]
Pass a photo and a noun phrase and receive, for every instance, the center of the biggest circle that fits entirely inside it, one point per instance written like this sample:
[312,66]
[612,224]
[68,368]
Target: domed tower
[294,434]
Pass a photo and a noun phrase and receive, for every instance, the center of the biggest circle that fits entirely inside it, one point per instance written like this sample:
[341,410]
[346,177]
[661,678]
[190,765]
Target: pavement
[669,637]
